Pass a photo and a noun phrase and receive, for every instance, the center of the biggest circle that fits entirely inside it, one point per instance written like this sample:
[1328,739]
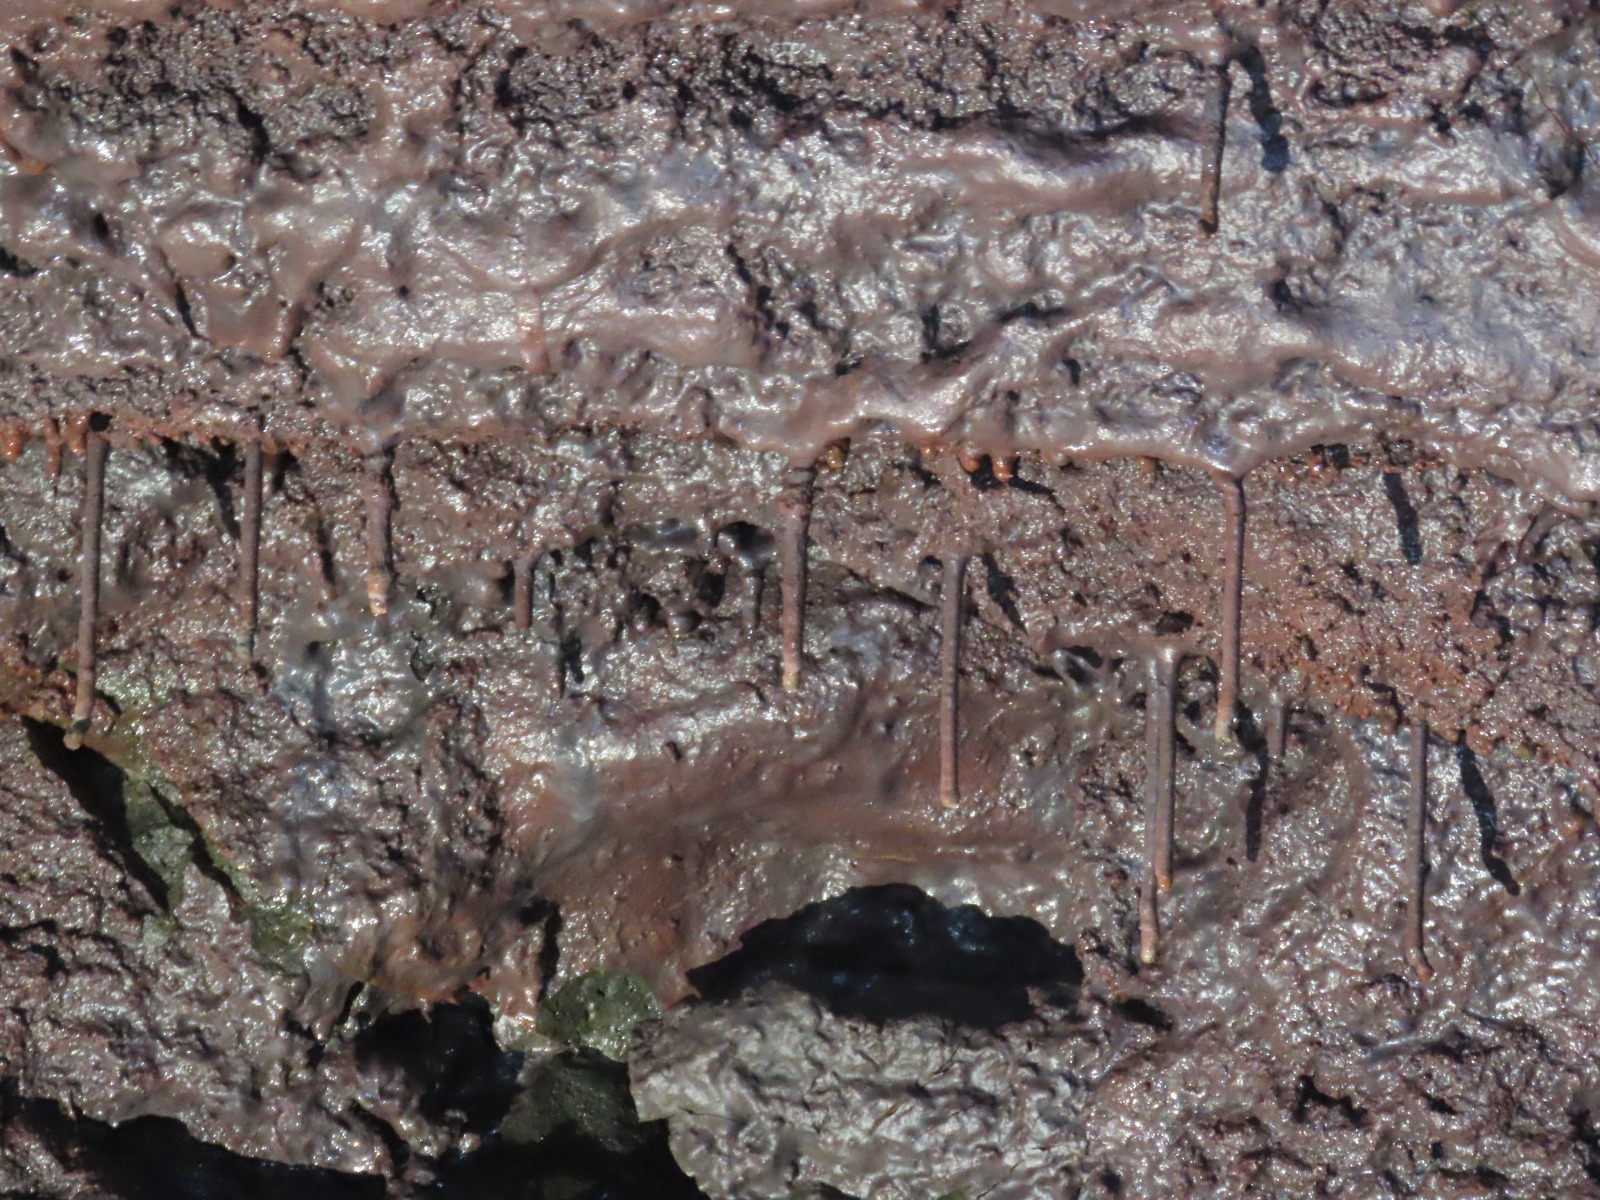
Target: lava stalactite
[95,451]
[955,566]
[522,590]
[1416,860]
[1232,601]
[1160,708]
[250,546]
[1216,144]
[794,513]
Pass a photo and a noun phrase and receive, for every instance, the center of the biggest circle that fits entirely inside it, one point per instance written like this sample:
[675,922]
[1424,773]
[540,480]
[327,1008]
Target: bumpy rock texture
[566,289]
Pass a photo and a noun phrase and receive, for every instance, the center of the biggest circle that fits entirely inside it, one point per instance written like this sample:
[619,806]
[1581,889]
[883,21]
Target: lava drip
[95,451]
[1160,710]
[250,547]
[1416,857]
[794,514]
[955,566]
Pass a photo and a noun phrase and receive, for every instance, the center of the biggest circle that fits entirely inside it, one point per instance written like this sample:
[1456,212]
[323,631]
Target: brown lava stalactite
[951,596]
[95,451]
[250,547]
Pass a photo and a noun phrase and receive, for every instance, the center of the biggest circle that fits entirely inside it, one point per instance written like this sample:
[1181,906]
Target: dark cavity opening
[1405,515]
[96,783]
[155,1158]
[594,1147]
[894,953]
[1477,789]
[451,1058]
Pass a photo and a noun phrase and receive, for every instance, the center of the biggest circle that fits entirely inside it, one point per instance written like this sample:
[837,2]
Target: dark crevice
[1274,146]
[893,952]
[218,465]
[983,477]
[592,1145]
[19,267]
[1254,743]
[155,1158]
[1308,1095]
[180,297]
[96,784]
[1483,805]
[1406,516]
[547,914]
[1586,1132]
[1003,591]
[450,1056]
[1173,623]
[1142,1012]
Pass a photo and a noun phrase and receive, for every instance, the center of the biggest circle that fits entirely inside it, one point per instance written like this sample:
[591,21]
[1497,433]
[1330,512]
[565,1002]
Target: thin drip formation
[794,505]
[793,511]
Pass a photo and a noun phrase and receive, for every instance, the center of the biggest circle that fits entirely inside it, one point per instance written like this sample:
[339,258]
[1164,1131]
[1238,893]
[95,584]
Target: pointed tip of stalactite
[1149,933]
[1420,965]
[76,433]
[1005,469]
[378,592]
[836,455]
[73,738]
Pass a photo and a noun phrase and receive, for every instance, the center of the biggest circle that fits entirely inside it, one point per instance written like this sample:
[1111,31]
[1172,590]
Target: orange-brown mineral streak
[94,489]
[950,678]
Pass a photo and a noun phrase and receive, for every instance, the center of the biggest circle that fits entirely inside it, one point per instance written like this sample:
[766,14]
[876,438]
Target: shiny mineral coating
[784,231]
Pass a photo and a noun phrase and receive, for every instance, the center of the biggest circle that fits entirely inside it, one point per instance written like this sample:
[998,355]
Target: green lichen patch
[599,1011]
[156,838]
